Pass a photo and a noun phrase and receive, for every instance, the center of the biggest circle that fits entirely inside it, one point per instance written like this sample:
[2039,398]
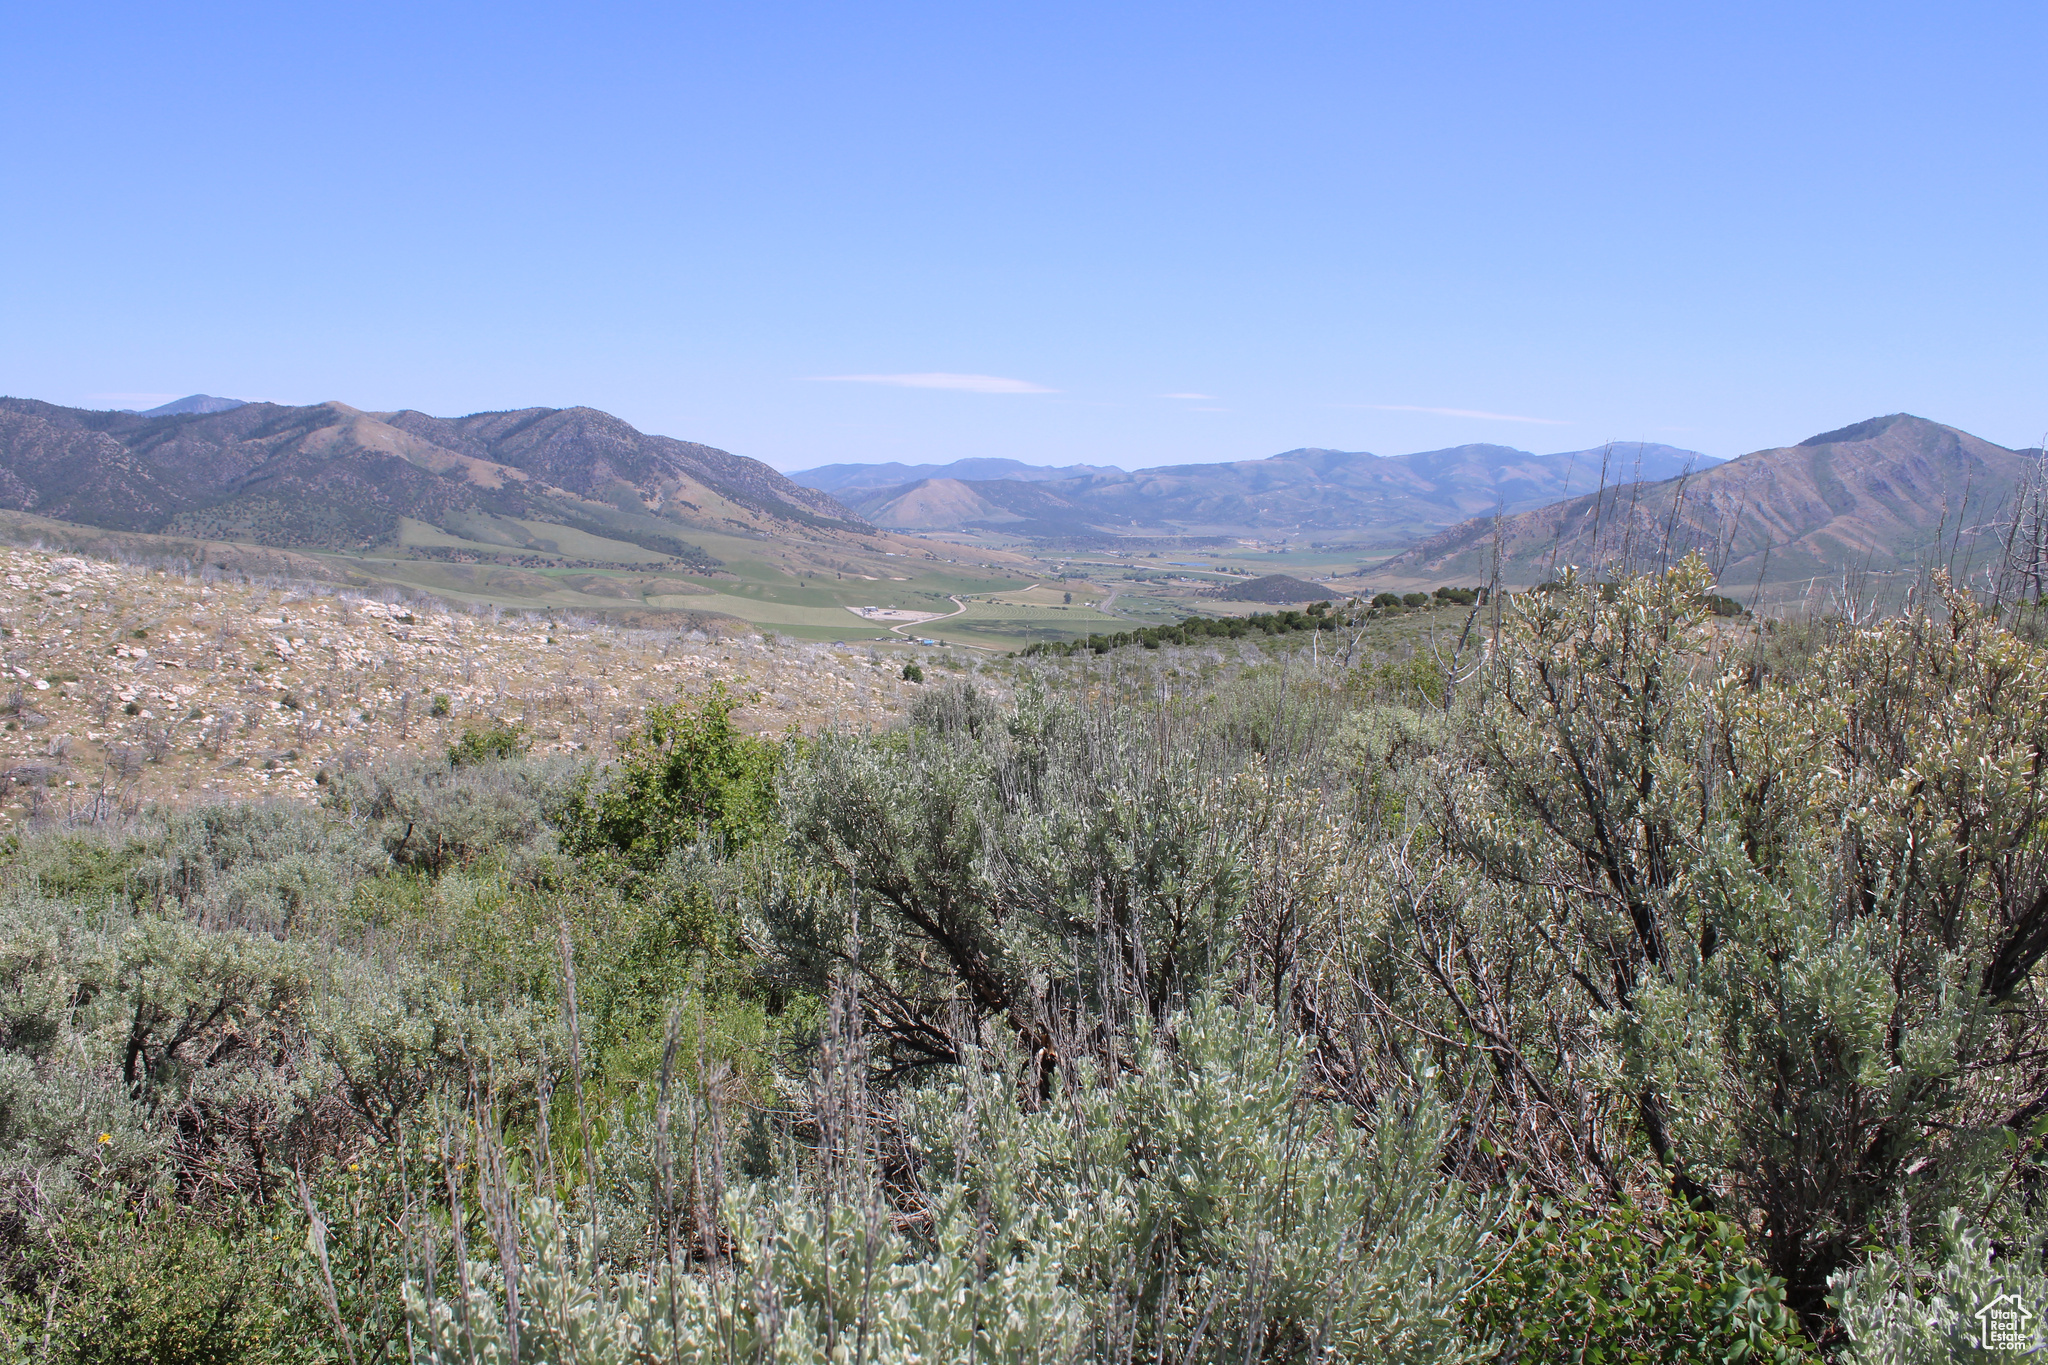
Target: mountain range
[1880,497]
[843,478]
[1329,493]
[486,498]
[331,476]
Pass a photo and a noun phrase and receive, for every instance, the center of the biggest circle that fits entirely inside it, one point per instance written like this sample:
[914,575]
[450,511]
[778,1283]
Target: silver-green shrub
[1970,1304]
[429,813]
[1199,1209]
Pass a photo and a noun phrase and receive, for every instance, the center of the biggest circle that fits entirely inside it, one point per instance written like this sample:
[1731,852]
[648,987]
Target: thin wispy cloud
[1459,412]
[1207,397]
[957,383]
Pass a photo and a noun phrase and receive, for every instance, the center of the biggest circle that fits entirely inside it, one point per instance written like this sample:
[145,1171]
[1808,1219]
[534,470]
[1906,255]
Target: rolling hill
[334,477]
[1330,493]
[1029,510]
[537,509]
[1277,588]
[1872,498]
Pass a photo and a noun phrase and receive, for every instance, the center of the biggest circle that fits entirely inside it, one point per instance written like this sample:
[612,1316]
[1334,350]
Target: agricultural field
[799,590]
[992,605]
[989,600]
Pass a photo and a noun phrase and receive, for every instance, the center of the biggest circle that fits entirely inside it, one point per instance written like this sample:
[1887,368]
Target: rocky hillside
[121,685]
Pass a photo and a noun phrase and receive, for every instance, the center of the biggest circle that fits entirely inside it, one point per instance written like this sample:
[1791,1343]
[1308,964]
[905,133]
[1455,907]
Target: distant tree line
[1325,615]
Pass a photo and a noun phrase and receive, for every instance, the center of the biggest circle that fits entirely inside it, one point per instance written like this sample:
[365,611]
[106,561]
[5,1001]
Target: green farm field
[810,590]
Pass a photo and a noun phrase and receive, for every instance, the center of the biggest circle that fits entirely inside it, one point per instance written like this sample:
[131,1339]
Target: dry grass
[127,685]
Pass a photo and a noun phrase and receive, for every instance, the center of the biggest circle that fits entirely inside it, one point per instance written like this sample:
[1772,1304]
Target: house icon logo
[2002,1324]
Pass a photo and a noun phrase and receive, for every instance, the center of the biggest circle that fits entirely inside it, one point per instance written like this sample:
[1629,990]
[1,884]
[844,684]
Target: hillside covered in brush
[331,476]
[1583,980]
[1878,497]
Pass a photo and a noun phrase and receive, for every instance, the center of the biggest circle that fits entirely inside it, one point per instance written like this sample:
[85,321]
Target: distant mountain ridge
[1873,496]
[1327,492]
[198,402]
[841,478]
[331,476]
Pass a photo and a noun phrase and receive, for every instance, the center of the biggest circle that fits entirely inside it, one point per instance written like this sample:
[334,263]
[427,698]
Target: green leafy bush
[496,740]
[687,773]
[1725,606]
[1631,1287]
[115,1288]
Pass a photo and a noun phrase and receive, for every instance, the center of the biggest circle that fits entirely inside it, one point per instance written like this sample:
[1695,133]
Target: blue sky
[1156,232]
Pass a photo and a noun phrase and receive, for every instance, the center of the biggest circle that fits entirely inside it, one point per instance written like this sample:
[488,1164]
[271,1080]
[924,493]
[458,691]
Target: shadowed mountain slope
[1876,497]
[332,476]
[593,454]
